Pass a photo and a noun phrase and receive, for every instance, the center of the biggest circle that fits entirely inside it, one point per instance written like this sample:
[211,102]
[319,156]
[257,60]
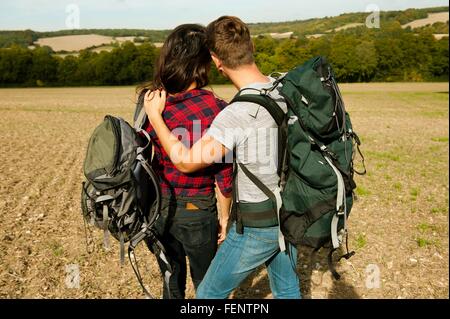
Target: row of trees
[363,55]
[21,38]
[127,64]
[359,54]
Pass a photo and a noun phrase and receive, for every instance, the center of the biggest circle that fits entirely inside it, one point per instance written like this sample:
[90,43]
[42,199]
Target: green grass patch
[439,210]
[414,192]
[398,186]
[440,139]
[422,242]
[424,227]
[388,177]
[361,191]
[56,249]
[361,241]
[380,165]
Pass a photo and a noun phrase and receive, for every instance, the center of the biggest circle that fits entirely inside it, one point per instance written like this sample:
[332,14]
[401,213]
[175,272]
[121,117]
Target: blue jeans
[239,255]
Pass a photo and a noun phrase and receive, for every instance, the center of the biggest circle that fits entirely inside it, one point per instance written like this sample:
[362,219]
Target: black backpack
[121,194]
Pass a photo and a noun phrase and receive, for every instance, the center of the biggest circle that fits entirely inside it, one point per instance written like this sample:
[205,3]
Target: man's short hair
[229,39]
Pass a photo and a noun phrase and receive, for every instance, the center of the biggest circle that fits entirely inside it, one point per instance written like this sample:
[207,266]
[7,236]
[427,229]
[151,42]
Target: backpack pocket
[315,171]
[302,206]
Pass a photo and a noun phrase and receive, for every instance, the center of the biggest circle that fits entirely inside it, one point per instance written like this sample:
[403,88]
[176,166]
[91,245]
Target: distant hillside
[331,24]
[310,28]
[28,37]
[430,20]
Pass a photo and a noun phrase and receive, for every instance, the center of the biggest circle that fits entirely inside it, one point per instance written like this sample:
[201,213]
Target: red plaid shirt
[190,113]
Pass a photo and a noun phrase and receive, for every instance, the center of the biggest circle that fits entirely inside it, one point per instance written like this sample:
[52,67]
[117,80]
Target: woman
[188,224]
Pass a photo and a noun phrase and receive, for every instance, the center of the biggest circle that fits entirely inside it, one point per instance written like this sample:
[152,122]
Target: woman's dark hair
[184,58]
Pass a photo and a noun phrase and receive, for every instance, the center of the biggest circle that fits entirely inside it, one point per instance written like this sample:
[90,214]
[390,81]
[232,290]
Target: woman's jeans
[240,254]
[187,231]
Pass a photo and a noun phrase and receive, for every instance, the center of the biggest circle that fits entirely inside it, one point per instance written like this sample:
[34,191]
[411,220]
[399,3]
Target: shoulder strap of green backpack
[265,101]
[280,118]
[277,114]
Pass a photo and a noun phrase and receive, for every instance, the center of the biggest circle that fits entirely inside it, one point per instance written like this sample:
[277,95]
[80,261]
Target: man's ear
[219,65]
[216,61]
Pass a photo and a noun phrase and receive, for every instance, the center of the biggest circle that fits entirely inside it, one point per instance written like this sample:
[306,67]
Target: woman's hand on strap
[154,103]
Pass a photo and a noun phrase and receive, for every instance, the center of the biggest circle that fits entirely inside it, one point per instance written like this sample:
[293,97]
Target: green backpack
[316,145]
[121,194]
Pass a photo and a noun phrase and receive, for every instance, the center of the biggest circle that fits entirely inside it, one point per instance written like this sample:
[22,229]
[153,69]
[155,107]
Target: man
[248,130]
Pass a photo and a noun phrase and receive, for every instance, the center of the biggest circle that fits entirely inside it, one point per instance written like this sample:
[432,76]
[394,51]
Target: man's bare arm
[203,153]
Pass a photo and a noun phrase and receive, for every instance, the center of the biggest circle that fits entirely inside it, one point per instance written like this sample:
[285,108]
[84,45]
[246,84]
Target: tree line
[357,55]
[364,55]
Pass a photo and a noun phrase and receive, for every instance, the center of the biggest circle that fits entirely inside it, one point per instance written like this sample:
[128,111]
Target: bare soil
[432,18]
[398,226]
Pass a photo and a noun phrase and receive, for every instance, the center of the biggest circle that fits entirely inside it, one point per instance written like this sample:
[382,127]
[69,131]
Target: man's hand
[223,206]
[154,103]
[223,222]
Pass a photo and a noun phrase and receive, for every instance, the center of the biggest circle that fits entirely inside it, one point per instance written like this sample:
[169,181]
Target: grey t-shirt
[250,129]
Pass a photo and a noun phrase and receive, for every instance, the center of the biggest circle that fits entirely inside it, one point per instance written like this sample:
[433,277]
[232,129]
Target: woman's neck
[191,87]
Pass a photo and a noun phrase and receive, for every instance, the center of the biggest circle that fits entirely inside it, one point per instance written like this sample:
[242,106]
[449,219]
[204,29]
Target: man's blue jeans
[239,255]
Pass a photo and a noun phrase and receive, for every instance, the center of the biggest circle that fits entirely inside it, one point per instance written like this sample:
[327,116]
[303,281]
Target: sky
[52,15]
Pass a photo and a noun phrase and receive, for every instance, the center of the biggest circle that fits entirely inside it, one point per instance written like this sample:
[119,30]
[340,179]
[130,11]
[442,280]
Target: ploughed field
[398,226]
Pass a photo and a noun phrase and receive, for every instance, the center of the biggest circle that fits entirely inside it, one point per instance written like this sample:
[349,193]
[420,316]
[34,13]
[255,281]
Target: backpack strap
[140,119]
[157,249]
[277,114]
[153,177]
[275,197]
[140,116]
[147,234]
[265,101]
[236,215]
[255,180]
[102,200]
